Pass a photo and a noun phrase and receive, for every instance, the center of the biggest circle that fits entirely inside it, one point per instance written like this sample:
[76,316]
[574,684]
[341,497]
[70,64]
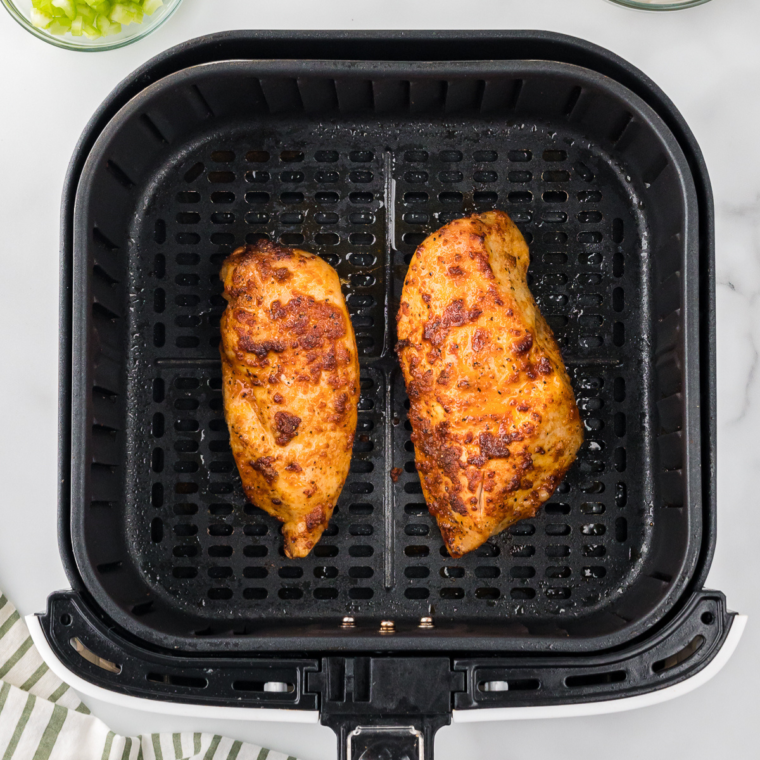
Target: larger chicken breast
[290,374]
[494,419]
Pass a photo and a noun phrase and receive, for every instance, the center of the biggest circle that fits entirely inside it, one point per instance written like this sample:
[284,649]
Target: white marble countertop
[706,59]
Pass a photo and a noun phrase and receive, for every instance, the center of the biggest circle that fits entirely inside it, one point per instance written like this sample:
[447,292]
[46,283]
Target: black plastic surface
[131,668]
[171,187]
[383,708]
[381,690]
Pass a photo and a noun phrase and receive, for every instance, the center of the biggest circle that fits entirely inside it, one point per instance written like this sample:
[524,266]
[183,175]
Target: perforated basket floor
[360,164]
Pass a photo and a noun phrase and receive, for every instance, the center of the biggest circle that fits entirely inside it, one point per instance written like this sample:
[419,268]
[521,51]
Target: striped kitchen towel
[42,719]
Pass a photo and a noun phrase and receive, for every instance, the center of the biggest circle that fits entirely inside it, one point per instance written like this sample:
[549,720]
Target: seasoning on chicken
[494,419]
[290,374]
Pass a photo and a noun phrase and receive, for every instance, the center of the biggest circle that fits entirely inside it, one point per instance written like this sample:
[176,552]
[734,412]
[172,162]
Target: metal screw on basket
[426,622]
[348,622]
[387,626]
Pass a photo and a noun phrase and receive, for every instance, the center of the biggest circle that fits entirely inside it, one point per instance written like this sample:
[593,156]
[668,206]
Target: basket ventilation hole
[274,687]
[681,656]
[595,679]
[170,679]
[93,658]
[513,684]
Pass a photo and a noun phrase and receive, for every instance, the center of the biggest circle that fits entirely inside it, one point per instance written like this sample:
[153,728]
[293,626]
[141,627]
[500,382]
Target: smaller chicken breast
[290,375]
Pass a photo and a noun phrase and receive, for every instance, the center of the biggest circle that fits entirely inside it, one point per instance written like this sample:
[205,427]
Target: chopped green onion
[151,6]
[40,19]
[91,18]
[87,13]
[126,13]
[106,26]
[59,26]
[67,6]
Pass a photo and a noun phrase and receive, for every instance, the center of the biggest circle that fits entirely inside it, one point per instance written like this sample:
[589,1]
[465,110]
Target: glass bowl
[657,5]
[21,10]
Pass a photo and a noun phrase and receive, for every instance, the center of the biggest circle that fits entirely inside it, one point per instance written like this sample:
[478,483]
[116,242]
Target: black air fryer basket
[357,146]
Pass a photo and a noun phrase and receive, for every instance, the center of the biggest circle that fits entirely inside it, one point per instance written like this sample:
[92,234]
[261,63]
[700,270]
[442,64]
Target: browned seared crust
[290,375]
[494,418]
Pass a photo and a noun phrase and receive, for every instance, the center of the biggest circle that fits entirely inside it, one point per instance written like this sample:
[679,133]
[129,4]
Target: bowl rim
[71,43]
[672,6]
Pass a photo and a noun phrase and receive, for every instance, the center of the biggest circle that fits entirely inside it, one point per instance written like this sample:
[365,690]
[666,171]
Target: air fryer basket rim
[393,45]
[436,45]
[284,67]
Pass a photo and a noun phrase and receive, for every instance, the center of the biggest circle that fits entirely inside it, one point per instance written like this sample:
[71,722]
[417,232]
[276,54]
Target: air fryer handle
[386,741]
[386,708]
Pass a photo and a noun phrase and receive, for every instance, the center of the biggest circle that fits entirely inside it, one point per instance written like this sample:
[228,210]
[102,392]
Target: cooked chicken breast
[494,419]
[290,375]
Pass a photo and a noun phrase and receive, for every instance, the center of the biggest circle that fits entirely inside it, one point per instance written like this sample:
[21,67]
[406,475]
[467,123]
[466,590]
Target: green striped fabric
[42,719]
